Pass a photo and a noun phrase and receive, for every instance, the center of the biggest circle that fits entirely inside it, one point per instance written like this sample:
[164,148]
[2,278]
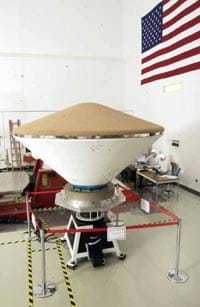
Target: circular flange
[179,277]
[90,201]
[39,292]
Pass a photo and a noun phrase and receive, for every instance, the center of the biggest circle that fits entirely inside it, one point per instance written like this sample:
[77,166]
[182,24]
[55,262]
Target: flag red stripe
[182,28]
[177,71]
[174,59]
[182,14]
[173,7]
[174,46]
[165,1]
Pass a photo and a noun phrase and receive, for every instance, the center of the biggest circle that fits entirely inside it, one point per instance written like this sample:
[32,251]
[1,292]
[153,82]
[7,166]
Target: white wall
[54,53]
[178,112]
[57,52]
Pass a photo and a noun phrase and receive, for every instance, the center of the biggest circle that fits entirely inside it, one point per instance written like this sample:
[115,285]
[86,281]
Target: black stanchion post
[176,275]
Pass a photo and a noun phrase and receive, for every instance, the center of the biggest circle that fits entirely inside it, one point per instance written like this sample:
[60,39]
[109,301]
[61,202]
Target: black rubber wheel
[62,240]
[72,266]
[122,256]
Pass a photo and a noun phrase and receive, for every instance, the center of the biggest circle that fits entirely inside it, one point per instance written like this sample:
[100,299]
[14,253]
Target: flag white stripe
[178,9]
[184,62]
[180,22]
[172,53]
[169,4]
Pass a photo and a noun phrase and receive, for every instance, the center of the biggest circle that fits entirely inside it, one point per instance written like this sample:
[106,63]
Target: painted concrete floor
[139,281]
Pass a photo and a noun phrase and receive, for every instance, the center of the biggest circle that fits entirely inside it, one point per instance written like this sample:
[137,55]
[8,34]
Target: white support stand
[176,275]
[74,247]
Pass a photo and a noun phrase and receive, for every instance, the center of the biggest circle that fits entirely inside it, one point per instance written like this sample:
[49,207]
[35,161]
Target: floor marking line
[46,226]
[65,274]
[46,249]
[63,266]
[30,274]
[12,242]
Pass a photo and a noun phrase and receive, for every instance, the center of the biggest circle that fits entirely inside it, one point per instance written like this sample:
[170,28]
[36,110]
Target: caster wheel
[72,265]
[62,240]
[122,256]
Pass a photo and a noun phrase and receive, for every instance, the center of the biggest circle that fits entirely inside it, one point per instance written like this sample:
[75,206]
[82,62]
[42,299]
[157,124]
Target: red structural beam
[43,192]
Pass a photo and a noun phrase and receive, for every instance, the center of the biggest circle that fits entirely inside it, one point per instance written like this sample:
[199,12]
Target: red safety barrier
[164,211]
[131,196]
[104,229]
[174,221]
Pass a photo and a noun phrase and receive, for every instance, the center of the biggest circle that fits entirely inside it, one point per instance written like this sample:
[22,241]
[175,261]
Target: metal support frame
[176,275]
[44,289]
[73,247]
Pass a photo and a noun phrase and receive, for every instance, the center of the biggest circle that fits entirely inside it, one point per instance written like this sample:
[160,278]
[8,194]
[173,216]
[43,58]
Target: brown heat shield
[87,120]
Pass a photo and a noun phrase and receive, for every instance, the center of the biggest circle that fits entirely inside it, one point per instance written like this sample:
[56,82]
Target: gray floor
[138,281]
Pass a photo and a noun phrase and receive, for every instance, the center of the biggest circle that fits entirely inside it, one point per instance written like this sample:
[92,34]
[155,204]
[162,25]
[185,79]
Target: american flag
[170,39]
